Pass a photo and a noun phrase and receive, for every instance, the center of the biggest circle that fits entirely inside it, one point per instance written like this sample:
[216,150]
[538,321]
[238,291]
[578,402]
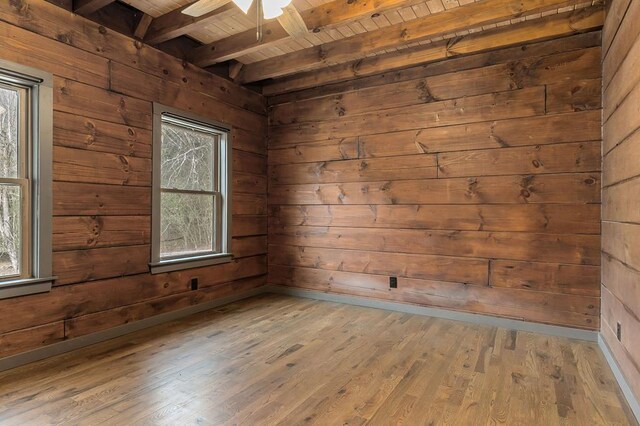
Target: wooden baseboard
[622,381]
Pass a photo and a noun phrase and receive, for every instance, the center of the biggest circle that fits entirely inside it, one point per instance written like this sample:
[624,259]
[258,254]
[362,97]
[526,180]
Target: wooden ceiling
[347,38]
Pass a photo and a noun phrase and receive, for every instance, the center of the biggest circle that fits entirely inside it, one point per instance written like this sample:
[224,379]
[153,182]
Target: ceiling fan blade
[201,7]
[292,21]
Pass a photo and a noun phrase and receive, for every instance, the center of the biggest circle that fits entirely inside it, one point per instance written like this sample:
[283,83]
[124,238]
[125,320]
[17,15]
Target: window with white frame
[26,110]
[191,191]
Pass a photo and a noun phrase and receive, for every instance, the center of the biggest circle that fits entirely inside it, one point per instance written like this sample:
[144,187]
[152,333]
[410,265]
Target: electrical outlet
[194,283]
[393,282]
[619,332]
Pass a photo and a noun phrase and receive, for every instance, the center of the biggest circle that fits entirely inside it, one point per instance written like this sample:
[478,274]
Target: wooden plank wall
[621,186]
[475,181]
[105,84]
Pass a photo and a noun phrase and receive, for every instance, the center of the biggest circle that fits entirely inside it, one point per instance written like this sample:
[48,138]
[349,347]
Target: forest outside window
[191,191]
[26,109]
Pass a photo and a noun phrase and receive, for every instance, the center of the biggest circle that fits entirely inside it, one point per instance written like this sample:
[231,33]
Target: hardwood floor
[283,360]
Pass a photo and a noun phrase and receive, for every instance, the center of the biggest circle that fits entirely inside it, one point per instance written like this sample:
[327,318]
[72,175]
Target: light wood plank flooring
[283,360]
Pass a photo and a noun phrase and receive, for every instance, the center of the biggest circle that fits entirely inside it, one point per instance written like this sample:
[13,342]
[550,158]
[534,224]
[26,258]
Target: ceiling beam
[175,23]
[440,24]
[553,26]
[87,7]
[234,68]
[143,26]
[317,19]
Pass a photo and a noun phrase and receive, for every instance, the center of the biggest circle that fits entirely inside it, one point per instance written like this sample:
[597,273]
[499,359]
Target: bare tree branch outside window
[187,207]
[10,194]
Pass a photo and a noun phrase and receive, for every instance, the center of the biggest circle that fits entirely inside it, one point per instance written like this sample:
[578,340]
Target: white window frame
[34,180]
[222,198]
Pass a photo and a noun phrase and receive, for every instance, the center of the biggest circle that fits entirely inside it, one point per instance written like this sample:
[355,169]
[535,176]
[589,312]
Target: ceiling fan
[282,10]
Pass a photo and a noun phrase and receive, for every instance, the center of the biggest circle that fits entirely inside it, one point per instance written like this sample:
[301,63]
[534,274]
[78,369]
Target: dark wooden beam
[143,26]
[234,69]
[175,23]
[317,19]
[474,15]
[550,27]
[87,7]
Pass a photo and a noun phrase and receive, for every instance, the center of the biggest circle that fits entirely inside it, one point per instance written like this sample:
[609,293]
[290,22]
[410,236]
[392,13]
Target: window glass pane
[187,158]
[10,230]
[9,116]
[186,224]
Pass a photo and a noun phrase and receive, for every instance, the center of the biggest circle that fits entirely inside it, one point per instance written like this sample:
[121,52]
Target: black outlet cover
[619,332]
[393,282]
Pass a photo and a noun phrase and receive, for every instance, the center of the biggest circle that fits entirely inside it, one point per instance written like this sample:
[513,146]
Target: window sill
[24,287]
[189,263]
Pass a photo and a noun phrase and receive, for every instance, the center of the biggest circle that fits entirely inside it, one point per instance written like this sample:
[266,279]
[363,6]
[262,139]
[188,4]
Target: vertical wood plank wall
[476,181]
[105,84]
[621,186]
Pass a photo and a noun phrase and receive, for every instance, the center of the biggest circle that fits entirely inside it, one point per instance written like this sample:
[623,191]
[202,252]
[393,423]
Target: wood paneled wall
[475,181]
[105,84]
[621,186]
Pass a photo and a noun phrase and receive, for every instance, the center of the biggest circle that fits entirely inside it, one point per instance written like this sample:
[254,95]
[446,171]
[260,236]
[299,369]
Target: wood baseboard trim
[622,381]
[488,320]
[101,336]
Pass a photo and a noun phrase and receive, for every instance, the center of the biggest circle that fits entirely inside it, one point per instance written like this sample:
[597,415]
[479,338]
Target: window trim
[158,265]
[40,132]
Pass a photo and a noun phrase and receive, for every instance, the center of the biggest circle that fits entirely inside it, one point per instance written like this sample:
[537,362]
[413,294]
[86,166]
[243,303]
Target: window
[191,191]
[26,110]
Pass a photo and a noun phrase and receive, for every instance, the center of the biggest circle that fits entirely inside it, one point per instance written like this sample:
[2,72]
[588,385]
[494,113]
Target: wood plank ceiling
[347,38]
